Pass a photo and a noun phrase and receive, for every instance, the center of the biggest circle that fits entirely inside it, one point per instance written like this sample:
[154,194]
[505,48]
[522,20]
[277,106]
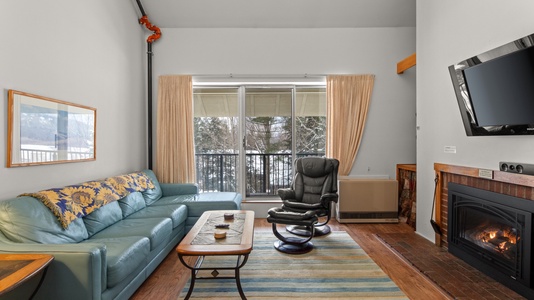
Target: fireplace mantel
[513,178]
[512,184]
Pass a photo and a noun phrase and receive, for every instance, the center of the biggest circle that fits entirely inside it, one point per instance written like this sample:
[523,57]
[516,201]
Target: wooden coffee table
[200,241]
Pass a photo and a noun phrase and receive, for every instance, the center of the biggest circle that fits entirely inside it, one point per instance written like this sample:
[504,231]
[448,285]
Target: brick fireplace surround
[452,275]
[511,184]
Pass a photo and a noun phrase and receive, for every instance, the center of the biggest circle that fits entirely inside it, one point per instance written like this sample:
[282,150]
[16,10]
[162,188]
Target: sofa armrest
[77,269]
[172,189]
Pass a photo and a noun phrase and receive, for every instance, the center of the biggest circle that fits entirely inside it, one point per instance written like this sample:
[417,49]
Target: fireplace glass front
[493,233]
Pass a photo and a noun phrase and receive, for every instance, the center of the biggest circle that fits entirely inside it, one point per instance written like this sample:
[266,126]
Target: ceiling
[280,13]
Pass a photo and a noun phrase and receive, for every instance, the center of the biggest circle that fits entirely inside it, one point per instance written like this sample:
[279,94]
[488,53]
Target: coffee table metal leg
[194,270]
[40,283]
[240,264]
[191,284]
[238,283]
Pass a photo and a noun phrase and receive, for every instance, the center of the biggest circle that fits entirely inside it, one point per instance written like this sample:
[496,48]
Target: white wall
[389,136]
[85,52]
[448,32]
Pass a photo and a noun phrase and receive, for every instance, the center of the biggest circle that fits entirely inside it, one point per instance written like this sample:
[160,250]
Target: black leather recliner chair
[314,188]
[310,196]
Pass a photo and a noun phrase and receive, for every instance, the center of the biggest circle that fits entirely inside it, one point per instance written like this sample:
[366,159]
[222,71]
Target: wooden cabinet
[407,180]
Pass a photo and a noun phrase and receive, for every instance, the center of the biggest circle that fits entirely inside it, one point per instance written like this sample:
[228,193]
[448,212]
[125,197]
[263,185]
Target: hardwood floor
[169,278]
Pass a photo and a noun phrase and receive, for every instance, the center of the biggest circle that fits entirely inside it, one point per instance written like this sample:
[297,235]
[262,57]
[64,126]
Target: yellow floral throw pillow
[76,201]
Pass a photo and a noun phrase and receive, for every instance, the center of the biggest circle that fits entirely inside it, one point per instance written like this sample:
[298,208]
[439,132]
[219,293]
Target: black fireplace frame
[511,208]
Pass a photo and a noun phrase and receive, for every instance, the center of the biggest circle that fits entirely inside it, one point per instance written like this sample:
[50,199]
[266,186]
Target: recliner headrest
[316,166]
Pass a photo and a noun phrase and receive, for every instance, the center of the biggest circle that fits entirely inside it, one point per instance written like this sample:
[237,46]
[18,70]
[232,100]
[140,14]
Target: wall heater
[364,200]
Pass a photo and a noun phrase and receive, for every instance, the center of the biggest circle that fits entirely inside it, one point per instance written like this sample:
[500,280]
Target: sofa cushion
[152,195]
[157,230]
[176,212]
[28,220]
[132,203]
[124,255]
[103,217]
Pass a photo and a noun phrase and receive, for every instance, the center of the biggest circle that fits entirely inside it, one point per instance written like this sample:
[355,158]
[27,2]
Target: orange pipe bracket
[157,32]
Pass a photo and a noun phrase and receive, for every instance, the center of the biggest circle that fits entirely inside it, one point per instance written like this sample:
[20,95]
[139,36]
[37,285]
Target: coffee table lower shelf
[241,261]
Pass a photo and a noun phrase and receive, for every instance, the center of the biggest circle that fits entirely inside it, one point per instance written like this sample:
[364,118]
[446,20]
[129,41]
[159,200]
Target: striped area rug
[336,269]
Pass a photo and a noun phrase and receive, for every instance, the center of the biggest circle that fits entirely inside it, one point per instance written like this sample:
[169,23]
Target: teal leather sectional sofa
[110,252]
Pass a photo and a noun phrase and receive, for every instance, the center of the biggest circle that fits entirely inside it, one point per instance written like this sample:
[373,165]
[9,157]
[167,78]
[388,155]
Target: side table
[16,269]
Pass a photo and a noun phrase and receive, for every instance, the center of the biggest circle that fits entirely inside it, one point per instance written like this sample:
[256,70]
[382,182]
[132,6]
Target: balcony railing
[217,172]
[265,173]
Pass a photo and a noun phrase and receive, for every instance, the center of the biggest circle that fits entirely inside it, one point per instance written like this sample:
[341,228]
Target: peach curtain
[175,152]
[348,98]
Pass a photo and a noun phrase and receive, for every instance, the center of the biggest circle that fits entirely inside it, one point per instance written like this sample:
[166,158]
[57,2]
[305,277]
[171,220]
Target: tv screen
[495,90]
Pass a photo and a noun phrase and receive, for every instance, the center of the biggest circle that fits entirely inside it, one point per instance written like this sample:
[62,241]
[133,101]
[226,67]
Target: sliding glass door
[247,137]
[268,139]
[217,139]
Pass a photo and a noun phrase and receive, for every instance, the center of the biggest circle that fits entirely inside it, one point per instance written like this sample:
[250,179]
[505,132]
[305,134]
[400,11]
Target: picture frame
[43,131]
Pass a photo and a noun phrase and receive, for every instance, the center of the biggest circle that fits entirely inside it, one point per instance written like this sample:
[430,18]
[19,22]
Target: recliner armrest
[286,194]
[329,197]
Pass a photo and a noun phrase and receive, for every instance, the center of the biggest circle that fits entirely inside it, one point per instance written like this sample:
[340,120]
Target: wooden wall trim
[406,63]
[452,169]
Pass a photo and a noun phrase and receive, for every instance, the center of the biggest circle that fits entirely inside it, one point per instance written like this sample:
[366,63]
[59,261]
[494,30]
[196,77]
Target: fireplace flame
[501,240]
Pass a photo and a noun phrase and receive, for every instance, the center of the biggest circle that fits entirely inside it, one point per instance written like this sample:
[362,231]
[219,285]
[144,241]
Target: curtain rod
[304,79]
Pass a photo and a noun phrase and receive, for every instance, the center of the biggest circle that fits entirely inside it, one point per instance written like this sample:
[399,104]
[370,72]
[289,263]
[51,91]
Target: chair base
[293,248]
[304,231]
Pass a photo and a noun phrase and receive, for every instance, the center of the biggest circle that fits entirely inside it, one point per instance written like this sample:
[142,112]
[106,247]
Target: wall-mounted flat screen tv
[495,90]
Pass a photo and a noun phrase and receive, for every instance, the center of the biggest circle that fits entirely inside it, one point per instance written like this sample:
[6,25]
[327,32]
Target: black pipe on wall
[141,9]
[150,40]
[149,103]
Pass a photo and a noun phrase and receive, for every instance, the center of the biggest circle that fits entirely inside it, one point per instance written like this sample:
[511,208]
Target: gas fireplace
[493,233]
